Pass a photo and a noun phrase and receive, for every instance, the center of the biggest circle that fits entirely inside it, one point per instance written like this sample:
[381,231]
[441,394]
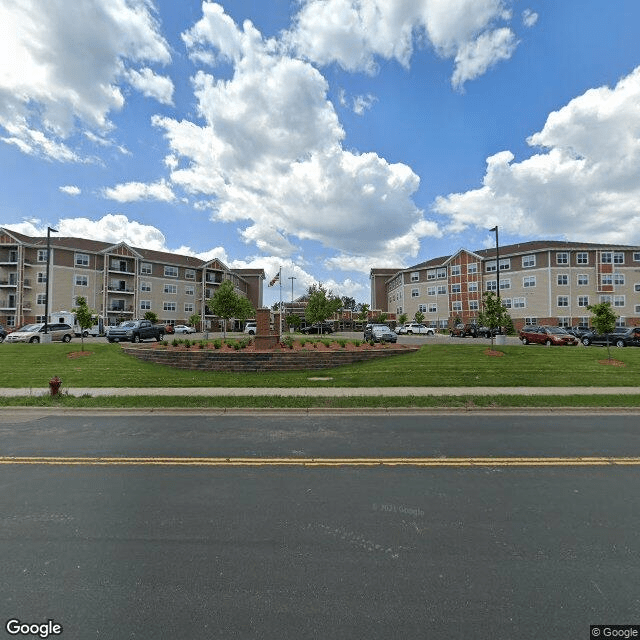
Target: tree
[84,317]
[604,320]
[419,317]
[151,316]
[402,318]
[194,320]
[227,304]
[363,316]
[293,320]
[322,304]
[494,314]
[381,318]
[348,303]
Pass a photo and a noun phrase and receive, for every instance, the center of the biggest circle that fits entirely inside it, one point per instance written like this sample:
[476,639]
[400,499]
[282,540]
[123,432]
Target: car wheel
[66,338]
[525,341]
[620,344]
[159,337]
[586,342]
[85,334]
[1,339]
[110,340]
[35,340]
[252,332]
[136,338]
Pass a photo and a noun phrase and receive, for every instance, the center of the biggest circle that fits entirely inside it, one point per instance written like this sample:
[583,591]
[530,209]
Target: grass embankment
[31,366]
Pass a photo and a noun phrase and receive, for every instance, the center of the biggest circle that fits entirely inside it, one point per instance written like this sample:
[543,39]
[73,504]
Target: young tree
[348,303]
[419,317]
[194,320]
[151,316]
[494,314]
[226,304]
[402,318]
[363,316]
[381,318]
[322,304]
[293,321]
[84,317]
[604,320]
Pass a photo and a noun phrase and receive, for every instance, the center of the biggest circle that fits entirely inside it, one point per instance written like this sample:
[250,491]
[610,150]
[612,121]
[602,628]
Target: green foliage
[217,343]
[84,317]
[202,344]
[363,316]
[175,342]
[419,317]
[287,341]
[326,342]
[322,304]
[348,303]
[151,316]
[194,320]
[293,320]
[342,342]
[402,318]
[604,320]
[381,318]
[494,314]
[227,304]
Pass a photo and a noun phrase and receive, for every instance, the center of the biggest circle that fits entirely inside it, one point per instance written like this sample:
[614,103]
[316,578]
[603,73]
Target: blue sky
[323,136]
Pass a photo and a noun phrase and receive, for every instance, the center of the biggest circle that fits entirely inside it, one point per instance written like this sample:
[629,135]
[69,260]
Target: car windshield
[127,325]
[555,330]
[31,327]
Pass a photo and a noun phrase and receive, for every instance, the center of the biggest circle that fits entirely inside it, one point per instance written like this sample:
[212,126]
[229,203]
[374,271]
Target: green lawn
[31,366]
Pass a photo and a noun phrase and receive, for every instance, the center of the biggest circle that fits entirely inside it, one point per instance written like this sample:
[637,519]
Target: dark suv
[620,337]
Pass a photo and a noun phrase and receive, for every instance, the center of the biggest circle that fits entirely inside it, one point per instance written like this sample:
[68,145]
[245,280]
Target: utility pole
[48,286]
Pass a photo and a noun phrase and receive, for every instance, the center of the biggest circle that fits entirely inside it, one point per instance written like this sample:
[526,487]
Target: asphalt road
[181,542]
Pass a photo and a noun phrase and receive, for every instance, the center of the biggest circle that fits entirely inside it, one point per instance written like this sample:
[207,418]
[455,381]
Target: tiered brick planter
[247,361]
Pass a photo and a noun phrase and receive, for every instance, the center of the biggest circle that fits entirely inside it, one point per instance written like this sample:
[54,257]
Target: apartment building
[118,281]
[540,282]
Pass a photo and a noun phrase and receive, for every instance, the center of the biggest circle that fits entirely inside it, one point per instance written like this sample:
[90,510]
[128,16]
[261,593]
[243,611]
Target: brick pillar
[264,339]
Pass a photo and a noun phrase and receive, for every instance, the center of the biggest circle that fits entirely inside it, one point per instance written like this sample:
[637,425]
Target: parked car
[168,328]
[135,331]
[486,332]
[382,333]
[463,330]
[579,331]
[251,328]
[546,335]
[59,332]
[318,327]
[3,333]
[620,337]
[183,328]
[368,328]
[415,327]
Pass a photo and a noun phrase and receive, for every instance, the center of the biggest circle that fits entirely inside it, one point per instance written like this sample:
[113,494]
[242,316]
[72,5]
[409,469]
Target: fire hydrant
[54,385]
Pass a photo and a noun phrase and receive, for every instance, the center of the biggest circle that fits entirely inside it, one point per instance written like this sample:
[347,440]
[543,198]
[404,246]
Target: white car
[416,327]
[251,328]
[183,328]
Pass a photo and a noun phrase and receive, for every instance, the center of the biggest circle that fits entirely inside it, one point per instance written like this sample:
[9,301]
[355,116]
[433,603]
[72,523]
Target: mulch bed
[79,354]
[612,362]
[491,352]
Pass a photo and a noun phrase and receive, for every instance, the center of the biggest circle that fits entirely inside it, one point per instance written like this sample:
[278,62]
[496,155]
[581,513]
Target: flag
[274,279]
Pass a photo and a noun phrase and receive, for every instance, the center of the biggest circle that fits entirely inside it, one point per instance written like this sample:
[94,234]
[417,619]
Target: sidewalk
[328,392]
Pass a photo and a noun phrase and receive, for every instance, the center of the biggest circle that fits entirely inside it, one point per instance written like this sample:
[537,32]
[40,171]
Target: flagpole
[280,320]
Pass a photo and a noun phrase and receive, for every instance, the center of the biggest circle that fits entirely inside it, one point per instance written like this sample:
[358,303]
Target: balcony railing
[118,289]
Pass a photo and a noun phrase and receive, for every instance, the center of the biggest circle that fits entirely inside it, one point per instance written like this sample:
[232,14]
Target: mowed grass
[439,365]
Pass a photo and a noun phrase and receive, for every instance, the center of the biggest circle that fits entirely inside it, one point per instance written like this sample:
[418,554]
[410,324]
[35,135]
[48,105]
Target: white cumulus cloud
[71,190]
[583,181]
[134,191]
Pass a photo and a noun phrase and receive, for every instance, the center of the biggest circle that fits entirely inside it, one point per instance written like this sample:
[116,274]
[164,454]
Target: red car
[547,335]
[168,328]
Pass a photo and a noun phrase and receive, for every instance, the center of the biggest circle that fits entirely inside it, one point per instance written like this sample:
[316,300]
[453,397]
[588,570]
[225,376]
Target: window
[473,305]
[519,303]
[472,286]
[563,301]
[82,281]
[422,308]
[415,276]
[606,278]
[145,268]
[618,258]
[442,273]
[562,257]
[583,301]
[563,321]
[431,291]
[505,283]
[170,272]
[563,279]
[170,288]
[81,260]
[618,301]
[42,255]
[456,288]
[431,274]
[11,321]
[507,302]
[145,305]
[168,306]
[637,308]
[618,278]
[145,286]
[636,256]
[42,277]
[636,287]
[606,257]
[42,298]
[505,264]
[490,267]
[583,279]
[456,269]
[189,274]
[582,258]
[415,293]
[529,281]
[606,298]
[189,290]
[442,289]
[528,261]
[472,267]
[188,307]
[492,285]
[457,306]
[432,308]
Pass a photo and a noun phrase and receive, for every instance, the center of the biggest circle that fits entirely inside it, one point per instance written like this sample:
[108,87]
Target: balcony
[8,305]
[120,309]
[120,289]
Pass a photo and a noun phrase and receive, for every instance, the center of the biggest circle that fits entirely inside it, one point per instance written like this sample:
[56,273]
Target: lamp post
[497,261]
[48,288]
[292,278]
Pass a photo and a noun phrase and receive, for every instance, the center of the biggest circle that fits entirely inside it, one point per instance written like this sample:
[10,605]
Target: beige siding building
[540,282]
[119,282]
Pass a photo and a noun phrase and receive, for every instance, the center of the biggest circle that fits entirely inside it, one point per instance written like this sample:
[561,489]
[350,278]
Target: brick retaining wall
[247,361]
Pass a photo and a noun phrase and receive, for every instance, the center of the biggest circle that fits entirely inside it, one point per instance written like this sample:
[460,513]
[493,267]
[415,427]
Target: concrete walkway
[328,391]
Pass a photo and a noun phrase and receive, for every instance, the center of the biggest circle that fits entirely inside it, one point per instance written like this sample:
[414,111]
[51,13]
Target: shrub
[287,341]
[202,344]
[165,343]
[217,343]
[175,342]
[357,343]
[187,344]
[327,343]
[342,342]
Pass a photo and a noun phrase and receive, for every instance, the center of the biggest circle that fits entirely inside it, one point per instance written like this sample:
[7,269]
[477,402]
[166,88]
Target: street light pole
[497,261]
[48,288]
[292,278]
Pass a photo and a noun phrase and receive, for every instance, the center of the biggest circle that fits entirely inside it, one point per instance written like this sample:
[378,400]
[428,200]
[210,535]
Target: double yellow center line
[322,462]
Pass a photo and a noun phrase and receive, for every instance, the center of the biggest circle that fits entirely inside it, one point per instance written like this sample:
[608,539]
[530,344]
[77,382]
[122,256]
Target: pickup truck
[135,331]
